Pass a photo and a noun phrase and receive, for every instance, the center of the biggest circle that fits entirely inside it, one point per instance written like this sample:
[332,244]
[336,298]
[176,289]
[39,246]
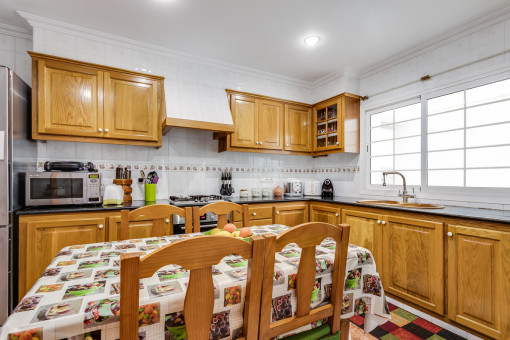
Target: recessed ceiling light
[312,40]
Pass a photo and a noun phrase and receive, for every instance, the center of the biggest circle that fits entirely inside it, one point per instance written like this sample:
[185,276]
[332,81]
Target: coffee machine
[327,189]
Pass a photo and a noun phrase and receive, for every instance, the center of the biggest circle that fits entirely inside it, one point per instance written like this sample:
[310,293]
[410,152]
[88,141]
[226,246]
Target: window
[395,144]
[468,138]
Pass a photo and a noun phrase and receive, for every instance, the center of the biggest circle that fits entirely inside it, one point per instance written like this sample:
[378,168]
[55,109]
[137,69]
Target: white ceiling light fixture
[312,40]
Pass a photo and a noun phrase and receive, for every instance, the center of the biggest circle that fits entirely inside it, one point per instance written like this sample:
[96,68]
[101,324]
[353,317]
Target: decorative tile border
[135,167]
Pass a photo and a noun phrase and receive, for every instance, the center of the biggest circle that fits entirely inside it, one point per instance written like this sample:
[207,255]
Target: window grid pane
[395,145]
[468,138]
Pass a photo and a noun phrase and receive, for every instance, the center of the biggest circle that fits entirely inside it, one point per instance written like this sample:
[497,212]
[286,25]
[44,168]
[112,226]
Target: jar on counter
[243,193]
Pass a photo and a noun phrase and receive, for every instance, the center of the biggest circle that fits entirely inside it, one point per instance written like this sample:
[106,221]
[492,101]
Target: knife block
[126,186]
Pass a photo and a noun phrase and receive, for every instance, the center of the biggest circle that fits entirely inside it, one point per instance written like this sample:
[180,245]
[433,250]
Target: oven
[207,222]
[62,188]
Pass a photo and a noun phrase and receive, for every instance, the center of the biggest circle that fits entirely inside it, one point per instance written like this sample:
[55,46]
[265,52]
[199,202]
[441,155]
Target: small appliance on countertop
[63,183]
[69,166]
[293,187]
[327,189]
[312,188]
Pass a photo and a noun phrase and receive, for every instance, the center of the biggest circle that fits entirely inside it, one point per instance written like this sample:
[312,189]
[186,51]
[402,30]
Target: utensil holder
[150,192]
[126,186]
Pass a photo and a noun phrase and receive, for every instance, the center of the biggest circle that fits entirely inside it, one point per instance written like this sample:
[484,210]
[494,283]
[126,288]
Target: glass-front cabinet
[328,126]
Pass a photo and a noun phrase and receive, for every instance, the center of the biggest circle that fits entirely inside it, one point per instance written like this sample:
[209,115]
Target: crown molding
[58,26]
[15,31]
[460,32]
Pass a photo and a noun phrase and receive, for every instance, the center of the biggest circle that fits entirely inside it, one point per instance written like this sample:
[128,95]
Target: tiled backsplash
[189,163]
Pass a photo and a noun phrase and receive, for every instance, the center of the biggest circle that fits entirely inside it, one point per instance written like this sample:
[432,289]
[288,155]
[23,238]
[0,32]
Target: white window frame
[423,191]
[496,195]
[379,189]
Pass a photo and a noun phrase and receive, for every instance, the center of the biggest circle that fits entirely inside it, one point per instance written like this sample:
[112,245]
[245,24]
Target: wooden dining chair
[306,236]
[160,215]
[197,255]
[222,209]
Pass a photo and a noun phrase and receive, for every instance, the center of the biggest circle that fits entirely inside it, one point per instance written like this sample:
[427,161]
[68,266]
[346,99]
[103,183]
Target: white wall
[14,43]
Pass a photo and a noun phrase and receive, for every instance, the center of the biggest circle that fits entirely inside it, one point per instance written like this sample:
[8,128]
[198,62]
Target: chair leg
[344,329]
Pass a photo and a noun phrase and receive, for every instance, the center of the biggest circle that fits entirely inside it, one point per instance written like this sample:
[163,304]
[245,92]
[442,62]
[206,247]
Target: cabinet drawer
[256,213]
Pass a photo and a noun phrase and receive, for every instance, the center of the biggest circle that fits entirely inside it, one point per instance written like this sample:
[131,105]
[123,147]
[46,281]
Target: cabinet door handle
[378,221]
[100,130]
[260,143]
[167,220]
[450,234]
[254,214]
[257,143]
[383,222]
[100,226]
[277,213]
[287,145]
[106,130]
[337,143]
[336,214]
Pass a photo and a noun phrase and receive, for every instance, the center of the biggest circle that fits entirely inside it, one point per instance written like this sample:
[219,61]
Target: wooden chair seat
[197,255]
[161,217]
[222,209]
[306,236]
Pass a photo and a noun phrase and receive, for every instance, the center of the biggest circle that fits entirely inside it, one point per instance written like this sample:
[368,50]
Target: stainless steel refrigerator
[18,154]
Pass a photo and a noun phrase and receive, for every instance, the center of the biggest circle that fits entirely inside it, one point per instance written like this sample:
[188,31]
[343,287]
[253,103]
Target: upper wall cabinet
[337,125]
[83,102]
[258,124]
[264,124]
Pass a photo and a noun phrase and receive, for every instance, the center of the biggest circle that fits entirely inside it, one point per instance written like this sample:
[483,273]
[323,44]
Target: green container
[150,192]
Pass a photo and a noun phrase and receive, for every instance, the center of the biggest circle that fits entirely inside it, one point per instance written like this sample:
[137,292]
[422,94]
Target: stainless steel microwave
[59,188]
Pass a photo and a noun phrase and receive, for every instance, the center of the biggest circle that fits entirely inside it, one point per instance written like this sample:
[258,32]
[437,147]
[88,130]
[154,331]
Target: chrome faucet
[405,196]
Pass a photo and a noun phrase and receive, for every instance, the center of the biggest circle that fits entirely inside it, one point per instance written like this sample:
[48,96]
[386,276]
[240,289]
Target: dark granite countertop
[452,211]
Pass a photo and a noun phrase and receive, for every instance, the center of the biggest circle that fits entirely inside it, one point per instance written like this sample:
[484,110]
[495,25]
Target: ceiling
[268,34]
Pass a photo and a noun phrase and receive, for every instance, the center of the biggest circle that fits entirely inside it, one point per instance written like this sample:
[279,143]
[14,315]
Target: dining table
[77,295]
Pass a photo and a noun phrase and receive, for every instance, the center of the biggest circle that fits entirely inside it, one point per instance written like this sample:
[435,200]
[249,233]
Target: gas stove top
[194,200]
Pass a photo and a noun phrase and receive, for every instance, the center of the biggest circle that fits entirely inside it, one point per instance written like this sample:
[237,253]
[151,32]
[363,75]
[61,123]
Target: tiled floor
[403,325]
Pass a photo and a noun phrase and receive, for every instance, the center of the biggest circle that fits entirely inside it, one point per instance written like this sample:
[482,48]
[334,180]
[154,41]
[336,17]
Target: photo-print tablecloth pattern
[77,296]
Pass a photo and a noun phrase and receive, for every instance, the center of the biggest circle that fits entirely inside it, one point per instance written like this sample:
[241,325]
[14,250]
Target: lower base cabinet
[291,214]
[41,240]
[412,261]
[141,228]
[478,279]
[325,213]
[365,230]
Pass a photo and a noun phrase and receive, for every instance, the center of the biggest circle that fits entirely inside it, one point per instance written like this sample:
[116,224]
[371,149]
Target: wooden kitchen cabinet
[413,261]
[336,125]
[258,123]
[291,214]
[140,228]
[131,107]
[365,230]
[42,237]
[325,213]
[259,214]
[478,279]
[69,99]
[84,102]
[244,114]
[298,132]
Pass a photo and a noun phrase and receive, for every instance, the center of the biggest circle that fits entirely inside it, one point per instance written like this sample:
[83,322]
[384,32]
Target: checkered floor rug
[403,325]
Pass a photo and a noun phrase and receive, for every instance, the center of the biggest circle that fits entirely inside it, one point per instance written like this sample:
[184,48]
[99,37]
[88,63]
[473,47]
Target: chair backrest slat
[199,303]
[222,209]
[196,254]
[158,213]
[306,236]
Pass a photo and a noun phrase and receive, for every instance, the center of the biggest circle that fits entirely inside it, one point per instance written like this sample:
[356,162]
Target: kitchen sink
[402,205]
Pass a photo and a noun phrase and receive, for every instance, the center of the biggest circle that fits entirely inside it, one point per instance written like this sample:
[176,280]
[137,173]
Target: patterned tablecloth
[77,296]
